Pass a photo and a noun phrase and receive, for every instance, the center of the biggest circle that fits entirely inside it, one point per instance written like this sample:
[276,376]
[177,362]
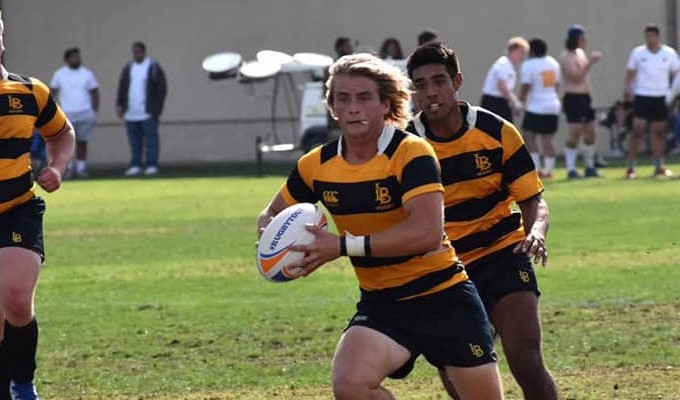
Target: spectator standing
[650,69]
[540,76]
[498,93]
[141,95]
[77,90]
[577,101]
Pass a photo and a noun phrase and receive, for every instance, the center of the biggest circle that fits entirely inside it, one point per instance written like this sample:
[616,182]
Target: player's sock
[536,158]
[570,158]
[4,372]
[80,166]
[549,164]
[22,344]
[659,163]
[589,155]
[631,165]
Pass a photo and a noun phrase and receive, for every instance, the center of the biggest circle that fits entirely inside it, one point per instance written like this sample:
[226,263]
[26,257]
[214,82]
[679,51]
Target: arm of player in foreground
[419,233]
[536,216]
[275,206]
[59,152]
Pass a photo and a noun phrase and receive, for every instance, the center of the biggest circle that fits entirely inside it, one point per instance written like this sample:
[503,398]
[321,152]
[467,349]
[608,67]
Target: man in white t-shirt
[650,69]
[540,77]
[498,93]
[141,96]
[77,91]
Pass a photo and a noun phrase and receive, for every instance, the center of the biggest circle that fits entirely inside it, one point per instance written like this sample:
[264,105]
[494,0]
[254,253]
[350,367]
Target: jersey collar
[470,119]
[383,140]
[5,74]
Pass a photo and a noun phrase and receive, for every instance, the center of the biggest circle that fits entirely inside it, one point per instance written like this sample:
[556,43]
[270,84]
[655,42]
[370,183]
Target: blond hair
[392,84]
[518,41]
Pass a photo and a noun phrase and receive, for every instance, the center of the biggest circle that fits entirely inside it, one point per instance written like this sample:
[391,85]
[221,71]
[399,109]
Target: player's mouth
[433,107]
[358,122]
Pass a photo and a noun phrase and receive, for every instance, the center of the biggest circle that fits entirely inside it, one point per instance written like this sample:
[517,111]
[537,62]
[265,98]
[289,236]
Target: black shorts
[650,108]
[578,108]
[540,123]
[501,273]
[497,105]
[450,328]
[21,226]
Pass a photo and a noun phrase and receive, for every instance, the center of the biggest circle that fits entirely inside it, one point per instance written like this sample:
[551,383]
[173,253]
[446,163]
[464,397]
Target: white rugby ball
[285,230]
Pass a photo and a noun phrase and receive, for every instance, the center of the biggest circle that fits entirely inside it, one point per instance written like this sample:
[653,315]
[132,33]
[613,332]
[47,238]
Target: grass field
[150,291]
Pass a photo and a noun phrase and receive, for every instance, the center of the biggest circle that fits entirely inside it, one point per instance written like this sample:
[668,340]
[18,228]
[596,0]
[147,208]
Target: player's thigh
[365,356]
[659,128]
[517,321]
[482,382]
[576,129]
[639,126]
[19,270]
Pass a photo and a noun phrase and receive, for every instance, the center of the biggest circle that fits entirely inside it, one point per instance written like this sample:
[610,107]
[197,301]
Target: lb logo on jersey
[483,164]
[383,197]
[15,104]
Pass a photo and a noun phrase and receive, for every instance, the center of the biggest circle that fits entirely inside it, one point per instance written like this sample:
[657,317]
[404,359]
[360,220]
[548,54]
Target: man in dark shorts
[485,168]
[29,106]
[383,189]
[576,102]
[540,77]
[650,69]
[498,93]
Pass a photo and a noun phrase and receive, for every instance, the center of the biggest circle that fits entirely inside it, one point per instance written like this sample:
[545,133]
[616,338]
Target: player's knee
[346,386]
[17,304]
[527,364]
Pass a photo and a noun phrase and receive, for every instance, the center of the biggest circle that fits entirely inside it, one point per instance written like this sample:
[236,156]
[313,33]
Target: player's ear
[458,81]
[330,110]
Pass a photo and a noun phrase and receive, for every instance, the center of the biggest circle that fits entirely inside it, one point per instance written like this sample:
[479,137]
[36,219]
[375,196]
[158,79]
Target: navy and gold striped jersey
[25,105]
[486,168]
[368,198]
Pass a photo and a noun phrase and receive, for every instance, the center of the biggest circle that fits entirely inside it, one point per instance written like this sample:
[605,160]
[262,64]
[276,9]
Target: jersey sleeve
[51,118]
[299,187]
[525,74]
[55,83]
[92,81]
[675,63]
[519,172]
[420,171]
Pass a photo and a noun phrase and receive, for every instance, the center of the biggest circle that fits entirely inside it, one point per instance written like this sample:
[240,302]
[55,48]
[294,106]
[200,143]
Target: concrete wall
[218,121]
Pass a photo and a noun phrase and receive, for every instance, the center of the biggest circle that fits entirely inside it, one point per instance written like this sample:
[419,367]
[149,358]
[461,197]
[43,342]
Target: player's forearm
[630,76]
[524,92]
[507,93]
[536,215]
[94,98]
[60,148]
[420,232]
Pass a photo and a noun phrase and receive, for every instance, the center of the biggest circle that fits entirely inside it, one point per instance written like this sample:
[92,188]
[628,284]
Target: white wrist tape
[356,245]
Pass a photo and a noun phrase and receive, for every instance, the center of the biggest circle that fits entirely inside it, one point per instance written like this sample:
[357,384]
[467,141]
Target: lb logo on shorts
[17,238]
[524,276]
[476,350]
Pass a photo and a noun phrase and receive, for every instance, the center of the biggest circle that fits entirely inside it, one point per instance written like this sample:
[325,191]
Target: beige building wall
[218,121]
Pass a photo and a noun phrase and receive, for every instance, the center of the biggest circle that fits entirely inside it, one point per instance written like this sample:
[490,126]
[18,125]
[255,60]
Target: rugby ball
[285,230]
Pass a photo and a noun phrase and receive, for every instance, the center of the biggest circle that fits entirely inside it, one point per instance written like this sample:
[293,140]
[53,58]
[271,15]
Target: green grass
[150,291]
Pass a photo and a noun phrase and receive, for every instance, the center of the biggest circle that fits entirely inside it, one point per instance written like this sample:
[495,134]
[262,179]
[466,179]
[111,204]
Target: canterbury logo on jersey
[331,198]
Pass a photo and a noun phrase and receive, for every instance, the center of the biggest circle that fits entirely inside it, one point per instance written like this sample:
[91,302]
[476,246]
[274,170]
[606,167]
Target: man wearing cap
[650,69]
[576,64]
